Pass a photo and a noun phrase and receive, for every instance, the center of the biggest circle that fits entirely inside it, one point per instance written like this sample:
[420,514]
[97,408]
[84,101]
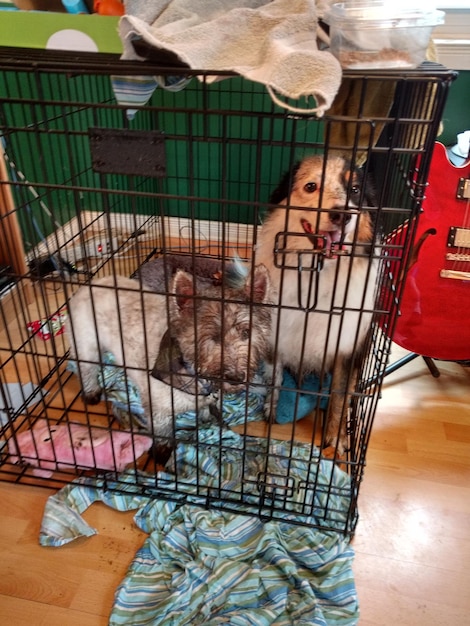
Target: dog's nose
[339,219]
[234,376]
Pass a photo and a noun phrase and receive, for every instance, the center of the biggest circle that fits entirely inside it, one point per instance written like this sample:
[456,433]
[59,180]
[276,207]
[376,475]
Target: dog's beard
[171,368]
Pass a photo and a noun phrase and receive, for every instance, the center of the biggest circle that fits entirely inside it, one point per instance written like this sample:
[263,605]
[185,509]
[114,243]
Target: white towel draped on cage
[273,43]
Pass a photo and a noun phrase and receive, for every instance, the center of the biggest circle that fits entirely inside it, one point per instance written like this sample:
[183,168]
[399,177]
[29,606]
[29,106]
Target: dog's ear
[365,232]
[370,202]
[258,291]
[183,288]
[369,196]
[284,187]
[370,193]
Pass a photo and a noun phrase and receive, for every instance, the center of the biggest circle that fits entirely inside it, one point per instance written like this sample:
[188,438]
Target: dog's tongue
[333,243]
[324,239]
[331,237]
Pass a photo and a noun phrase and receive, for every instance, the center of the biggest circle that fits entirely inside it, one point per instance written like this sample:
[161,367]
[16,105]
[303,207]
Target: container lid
[380,14]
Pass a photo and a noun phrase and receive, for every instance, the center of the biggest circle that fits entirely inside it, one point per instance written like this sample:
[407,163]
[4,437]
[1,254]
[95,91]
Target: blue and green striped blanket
[215,566]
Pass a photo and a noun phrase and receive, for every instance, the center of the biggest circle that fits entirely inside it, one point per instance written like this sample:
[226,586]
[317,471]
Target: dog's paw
[270,411]
[170,465]
[211,399]
[92,397]
[338,444]
[161,452]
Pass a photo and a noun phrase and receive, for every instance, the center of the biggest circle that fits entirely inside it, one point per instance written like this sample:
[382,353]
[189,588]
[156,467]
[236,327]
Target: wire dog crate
[94,186]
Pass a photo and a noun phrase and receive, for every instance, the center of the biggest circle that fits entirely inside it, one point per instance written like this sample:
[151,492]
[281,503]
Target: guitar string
[459,263]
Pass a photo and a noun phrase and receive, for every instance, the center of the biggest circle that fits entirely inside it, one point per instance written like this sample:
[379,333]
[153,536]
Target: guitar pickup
[463,189]
[458,237]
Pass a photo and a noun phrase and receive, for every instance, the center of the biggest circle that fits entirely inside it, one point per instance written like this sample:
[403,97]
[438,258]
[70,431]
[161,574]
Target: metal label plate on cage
[130,152]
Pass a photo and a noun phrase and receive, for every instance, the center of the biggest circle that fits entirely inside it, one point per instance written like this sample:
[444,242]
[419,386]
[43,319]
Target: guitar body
[434,315]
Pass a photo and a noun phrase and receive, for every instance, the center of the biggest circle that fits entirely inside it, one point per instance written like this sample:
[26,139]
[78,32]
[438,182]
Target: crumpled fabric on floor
[216,566]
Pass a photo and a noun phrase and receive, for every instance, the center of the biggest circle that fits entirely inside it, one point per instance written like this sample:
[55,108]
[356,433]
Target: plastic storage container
[368,35]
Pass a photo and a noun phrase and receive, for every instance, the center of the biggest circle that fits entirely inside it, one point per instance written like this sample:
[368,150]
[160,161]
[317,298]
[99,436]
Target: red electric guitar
[434,316]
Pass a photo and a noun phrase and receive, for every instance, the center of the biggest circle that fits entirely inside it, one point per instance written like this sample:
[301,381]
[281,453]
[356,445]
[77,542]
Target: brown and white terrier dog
[218,336]
[318,246]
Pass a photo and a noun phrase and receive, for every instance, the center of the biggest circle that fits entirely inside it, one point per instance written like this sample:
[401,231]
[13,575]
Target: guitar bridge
[455,274]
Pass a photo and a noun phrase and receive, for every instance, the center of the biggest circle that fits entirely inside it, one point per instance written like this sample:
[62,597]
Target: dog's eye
[310,187]
[355,189]
[244,334]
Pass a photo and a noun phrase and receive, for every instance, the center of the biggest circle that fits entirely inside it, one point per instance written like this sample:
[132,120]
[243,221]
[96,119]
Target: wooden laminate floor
[412,544]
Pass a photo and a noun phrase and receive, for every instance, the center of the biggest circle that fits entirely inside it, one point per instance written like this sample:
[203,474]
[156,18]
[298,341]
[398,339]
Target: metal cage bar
[84,207]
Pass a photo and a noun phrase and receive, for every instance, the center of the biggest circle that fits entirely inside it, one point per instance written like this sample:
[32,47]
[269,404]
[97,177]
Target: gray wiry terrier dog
[220,333]
[318,247]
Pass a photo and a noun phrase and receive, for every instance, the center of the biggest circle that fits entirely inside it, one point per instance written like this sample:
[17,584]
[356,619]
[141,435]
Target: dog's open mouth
[328,241]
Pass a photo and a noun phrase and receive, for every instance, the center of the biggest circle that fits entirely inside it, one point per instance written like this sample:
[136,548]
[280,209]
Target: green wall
[456,116]
[224,146]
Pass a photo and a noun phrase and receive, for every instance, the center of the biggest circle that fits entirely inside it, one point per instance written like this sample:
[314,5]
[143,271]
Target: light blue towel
[127,407]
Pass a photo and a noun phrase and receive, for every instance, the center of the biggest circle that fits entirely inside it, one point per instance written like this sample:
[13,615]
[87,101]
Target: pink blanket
[50,447]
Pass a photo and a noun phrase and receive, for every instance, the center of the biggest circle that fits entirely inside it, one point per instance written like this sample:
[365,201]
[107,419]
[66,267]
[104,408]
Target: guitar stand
[411,357]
